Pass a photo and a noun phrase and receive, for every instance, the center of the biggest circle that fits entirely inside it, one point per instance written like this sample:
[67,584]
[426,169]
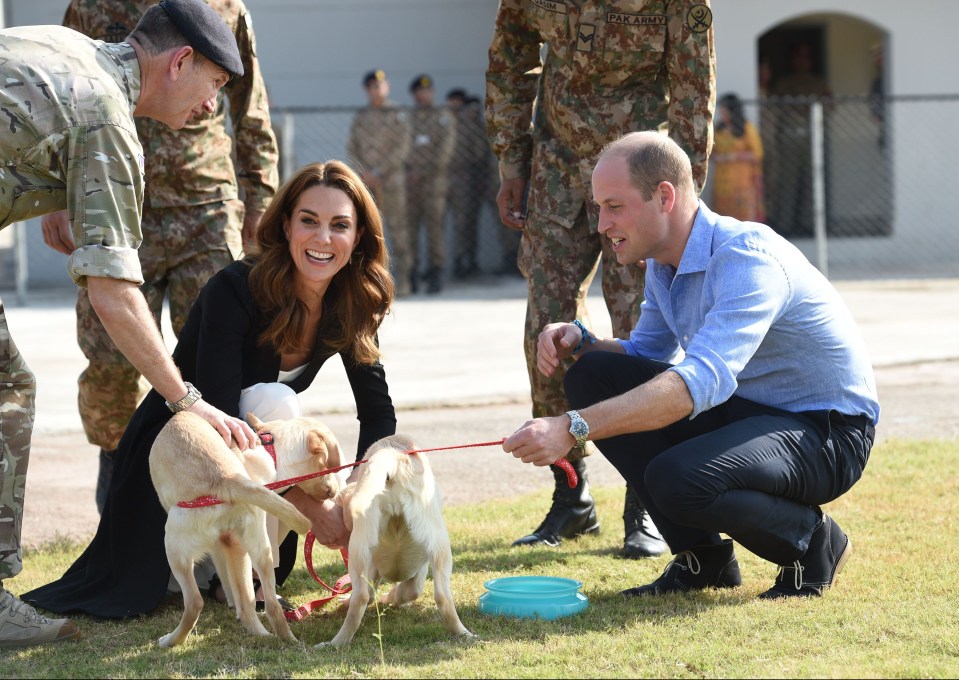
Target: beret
[378,74]
[420,82]
[206,32]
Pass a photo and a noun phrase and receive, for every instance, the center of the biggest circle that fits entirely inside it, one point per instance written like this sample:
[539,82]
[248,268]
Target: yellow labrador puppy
[397,534]
[189,460]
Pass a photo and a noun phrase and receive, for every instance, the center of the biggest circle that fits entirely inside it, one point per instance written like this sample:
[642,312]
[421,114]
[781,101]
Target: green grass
[893,612]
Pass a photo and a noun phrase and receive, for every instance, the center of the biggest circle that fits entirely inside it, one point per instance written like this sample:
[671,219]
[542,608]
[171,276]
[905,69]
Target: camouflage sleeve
[104,178]
[256,151]
[511,80]
[395,157]
[691,56]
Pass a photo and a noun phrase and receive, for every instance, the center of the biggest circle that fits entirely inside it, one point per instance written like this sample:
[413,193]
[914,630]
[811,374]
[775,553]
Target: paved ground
[457,376]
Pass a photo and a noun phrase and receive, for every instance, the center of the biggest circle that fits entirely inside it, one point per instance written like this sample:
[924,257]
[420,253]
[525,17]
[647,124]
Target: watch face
[578,428]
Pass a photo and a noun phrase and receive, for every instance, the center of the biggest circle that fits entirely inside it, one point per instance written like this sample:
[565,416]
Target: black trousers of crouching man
[753,472]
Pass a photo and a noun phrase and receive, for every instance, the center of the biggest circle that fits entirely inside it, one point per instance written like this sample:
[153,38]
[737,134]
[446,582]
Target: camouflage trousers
[391,200]
[559,255]
[19,390]
[426,210]
[182,248]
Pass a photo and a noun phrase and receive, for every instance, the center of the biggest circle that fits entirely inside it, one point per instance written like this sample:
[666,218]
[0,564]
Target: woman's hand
[326,518]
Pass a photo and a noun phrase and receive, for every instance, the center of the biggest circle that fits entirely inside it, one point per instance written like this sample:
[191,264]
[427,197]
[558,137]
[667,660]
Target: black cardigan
[124,571]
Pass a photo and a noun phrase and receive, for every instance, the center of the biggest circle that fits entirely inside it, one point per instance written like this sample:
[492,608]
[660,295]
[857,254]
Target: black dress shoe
[700,567]
[811,574]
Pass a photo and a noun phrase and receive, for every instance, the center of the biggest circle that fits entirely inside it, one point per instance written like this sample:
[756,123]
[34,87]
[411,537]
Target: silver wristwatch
[192,394]
[578,428]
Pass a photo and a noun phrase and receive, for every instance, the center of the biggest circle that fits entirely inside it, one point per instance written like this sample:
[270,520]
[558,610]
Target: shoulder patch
[699,18]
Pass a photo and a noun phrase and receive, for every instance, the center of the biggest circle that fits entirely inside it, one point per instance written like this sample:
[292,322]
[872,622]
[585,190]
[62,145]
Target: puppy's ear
[323,443]
[254,422]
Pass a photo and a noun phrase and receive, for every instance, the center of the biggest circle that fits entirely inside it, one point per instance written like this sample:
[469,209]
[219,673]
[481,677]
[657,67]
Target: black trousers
[753,472]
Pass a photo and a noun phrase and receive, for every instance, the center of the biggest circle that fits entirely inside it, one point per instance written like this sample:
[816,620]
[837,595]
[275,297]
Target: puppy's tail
[243,490]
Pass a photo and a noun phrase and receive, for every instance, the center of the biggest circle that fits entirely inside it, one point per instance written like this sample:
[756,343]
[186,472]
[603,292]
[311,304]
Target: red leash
[204,501]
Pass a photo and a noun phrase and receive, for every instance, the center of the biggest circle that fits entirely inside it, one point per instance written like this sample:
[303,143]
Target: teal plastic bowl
[531,597]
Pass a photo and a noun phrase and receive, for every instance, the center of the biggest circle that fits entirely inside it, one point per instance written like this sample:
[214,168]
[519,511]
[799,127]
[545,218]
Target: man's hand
[233,430]
[556,343]
[56,232]
[325,516]
[509,200]
[542,441]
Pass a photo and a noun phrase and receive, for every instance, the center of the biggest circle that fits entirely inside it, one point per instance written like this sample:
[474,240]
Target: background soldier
[607,73]
[59,154]
[433,135]
[192,216]
[474,179]
[378,144]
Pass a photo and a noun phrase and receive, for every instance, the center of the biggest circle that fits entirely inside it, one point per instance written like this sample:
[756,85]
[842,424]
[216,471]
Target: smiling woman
[316,284]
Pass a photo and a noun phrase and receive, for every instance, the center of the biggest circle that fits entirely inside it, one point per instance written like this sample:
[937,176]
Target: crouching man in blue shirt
[743,400]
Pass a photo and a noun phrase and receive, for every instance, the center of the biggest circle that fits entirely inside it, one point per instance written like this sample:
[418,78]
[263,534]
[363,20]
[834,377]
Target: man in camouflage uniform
[378,144]
[473,181]
[609,68]
[433,138]
[192,216]
[71,143]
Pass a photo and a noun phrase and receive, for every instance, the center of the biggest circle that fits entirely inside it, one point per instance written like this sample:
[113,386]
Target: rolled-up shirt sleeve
[104,202]
[739,311]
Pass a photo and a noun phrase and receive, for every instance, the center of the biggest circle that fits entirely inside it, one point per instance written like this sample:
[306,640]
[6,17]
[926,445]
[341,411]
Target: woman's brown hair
[360,294]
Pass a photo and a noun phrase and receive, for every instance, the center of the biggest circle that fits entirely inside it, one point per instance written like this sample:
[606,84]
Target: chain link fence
[862,185]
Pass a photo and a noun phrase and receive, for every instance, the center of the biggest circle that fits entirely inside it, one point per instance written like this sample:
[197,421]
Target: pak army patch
[699,18]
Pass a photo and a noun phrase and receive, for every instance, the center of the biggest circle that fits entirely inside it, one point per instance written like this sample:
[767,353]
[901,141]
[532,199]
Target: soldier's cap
[206,32]
[457,93]
[374,76]
[420,82]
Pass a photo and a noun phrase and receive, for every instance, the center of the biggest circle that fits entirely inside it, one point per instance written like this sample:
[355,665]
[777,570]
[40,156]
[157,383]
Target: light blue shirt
[754,319]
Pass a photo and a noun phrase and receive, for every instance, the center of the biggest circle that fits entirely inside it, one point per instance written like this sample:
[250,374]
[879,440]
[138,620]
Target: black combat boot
[642,537]
[572,514]
[815,571]
[700,567]
[107,463]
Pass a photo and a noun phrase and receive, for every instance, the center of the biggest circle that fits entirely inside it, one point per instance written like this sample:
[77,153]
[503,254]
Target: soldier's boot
[573,512]
[642,537]
[21,625]
[108,461]
[434,280]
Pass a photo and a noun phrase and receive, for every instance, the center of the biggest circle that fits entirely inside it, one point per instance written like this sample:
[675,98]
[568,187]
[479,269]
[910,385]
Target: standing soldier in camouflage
[609,68]
[427,181]
[378,144]
[71,143]
[192,214]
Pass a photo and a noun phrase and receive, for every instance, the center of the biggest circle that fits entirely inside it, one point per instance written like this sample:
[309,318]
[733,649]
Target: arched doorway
[839,59]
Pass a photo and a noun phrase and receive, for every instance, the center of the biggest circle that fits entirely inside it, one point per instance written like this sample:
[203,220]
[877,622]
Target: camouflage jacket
[611,67]
[70,143]
[379,139]
[193,165]
[433,136]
